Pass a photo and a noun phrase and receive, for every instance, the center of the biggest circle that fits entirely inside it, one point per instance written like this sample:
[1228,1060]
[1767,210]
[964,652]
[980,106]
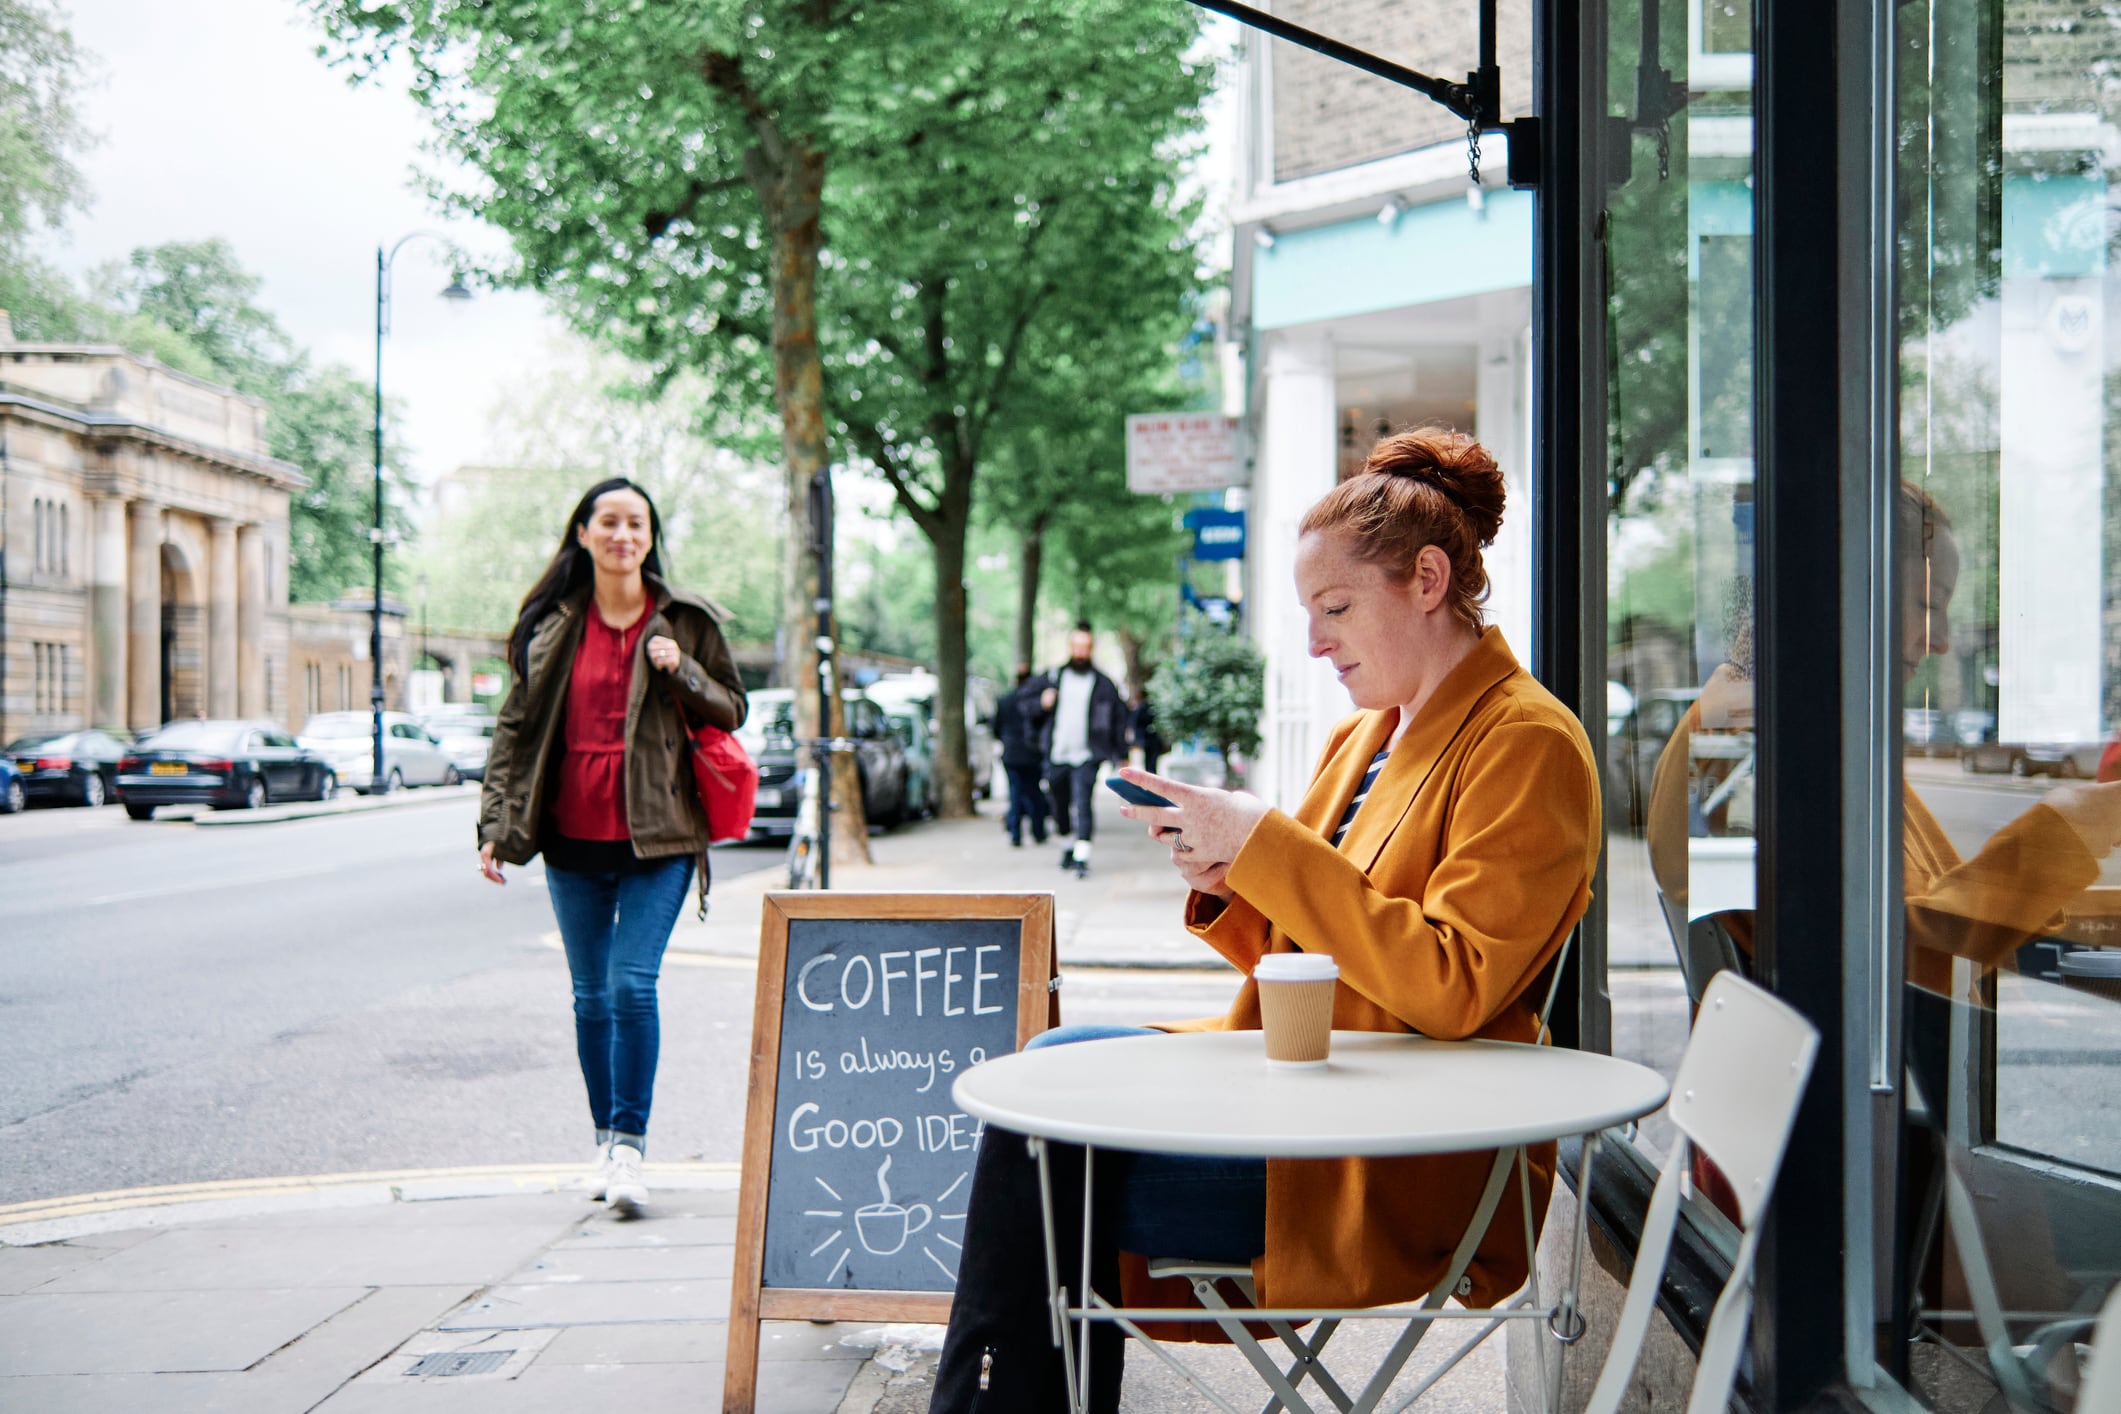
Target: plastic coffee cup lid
[1296,967]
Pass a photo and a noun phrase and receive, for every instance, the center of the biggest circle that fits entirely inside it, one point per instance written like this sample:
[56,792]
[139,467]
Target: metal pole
[377,781]
[821,546]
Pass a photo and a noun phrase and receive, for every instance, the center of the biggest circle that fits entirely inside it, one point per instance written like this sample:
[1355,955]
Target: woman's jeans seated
[1177,1205]
[998,1354]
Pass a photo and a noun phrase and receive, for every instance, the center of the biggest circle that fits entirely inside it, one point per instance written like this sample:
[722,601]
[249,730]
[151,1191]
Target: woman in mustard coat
[1441,856]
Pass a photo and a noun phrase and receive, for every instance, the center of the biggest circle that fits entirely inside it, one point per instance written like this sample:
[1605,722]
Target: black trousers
[1001,1325]
[1027,802]
[1073,787]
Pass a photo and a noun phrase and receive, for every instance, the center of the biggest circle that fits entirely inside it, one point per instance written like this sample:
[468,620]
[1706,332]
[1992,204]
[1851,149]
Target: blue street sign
[1217,534]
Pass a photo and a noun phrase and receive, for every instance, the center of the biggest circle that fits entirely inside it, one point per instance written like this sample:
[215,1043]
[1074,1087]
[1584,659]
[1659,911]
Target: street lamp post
[378,782]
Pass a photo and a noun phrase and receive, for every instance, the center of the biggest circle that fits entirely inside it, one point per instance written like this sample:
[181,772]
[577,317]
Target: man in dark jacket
[1085,726]
[1017,721]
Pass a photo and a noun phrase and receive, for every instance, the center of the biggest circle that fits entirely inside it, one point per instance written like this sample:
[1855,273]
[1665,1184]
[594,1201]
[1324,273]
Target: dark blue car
[12,797]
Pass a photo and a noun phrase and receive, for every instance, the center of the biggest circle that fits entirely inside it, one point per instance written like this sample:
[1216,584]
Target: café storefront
[1823,397]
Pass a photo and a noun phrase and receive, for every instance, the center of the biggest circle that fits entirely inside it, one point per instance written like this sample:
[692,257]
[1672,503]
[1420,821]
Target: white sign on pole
[1183,451]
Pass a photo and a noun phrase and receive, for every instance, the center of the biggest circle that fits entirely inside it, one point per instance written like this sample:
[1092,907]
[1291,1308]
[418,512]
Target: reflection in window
[1680,780]
[2010,1208]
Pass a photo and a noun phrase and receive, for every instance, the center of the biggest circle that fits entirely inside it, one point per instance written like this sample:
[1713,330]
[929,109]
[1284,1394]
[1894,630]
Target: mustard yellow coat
[1461,877]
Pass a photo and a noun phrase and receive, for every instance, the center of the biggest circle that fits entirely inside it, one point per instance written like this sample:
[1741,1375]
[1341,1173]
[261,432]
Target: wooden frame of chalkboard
[808,923]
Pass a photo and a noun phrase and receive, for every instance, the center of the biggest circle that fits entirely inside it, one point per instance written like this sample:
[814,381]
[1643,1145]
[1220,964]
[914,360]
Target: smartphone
[1137,795]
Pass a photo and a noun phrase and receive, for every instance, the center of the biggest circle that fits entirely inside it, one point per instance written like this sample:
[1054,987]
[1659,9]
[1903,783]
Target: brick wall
[2058,57]
[1328,116]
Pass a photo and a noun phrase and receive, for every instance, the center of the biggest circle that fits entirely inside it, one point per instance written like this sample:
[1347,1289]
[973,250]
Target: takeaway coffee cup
[1296,1006]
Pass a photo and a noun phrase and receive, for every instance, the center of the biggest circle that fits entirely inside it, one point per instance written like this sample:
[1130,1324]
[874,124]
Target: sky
[217,118]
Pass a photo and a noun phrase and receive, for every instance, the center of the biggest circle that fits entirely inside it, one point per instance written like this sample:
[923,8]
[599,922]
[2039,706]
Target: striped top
[1369,778]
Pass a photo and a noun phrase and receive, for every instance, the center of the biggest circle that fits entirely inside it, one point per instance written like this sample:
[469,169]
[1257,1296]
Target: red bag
[728,782]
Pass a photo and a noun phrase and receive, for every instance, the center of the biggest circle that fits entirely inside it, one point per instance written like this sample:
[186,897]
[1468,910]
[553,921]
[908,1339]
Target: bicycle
[803,843]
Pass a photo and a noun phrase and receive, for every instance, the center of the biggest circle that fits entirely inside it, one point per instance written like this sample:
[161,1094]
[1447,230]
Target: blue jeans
[1179,1205]
[614,927]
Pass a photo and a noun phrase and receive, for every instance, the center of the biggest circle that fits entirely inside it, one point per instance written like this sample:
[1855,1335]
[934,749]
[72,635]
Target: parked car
[80,768]
[226,764]
[12,796]
[411,755]
[1971,726]
[922,792]
[983,753]
[768,734]
[2078,761]
[466,736]
[1926,731]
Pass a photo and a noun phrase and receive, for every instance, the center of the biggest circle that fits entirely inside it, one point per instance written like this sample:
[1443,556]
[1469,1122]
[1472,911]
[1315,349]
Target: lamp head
[456,290]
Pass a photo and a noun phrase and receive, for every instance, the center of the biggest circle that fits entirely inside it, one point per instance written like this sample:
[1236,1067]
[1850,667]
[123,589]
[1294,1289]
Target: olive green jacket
[662,805]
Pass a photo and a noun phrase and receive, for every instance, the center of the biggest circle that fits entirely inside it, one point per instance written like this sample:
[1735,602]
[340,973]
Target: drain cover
[460,1362]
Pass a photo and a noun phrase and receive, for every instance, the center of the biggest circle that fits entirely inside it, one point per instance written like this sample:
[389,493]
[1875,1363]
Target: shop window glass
[1679,444]
[2007,527]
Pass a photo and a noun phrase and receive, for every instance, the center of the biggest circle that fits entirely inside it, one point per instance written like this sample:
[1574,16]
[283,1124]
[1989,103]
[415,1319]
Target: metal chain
[1664,149]
[1473,150]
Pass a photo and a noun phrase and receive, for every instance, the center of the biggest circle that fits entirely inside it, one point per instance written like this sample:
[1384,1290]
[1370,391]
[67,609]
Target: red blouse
[591,803]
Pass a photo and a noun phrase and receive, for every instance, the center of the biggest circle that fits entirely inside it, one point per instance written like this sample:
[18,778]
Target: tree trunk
[799,388]
[1031,558]
[1130,646]
[953,524]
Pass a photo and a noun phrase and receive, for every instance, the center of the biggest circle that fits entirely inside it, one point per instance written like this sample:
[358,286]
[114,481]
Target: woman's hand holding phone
[1205,828]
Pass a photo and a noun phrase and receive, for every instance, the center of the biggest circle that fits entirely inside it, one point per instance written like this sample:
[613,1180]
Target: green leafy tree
[864,208]
[1060,484]
[41,134]
[561,433]
[200,290]
[1215,689]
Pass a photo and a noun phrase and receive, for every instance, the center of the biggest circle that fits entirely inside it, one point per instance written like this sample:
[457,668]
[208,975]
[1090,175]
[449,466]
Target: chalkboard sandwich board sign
[857,1164]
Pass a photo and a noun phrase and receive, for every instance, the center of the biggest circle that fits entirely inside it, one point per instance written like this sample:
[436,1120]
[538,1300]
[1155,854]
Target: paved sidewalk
[498,1288]
[346,802]
[478,1289]
[1125,914]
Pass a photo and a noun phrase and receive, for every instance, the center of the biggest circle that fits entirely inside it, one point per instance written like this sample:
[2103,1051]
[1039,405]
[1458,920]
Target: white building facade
[1375,288]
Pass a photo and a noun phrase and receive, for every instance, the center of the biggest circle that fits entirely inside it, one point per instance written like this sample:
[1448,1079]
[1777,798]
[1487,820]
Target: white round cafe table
[1380,1094]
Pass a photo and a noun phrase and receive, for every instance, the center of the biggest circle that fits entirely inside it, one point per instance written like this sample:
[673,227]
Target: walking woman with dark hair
[592,767]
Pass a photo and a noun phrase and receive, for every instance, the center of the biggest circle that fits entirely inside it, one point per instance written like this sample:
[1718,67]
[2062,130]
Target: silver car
[466,736]
[411,755]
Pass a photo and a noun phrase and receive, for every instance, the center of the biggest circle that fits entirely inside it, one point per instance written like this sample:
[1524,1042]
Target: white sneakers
[592,1182]
[624,1191]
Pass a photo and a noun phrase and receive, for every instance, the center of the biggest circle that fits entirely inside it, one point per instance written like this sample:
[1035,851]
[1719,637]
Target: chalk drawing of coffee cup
[884,1226]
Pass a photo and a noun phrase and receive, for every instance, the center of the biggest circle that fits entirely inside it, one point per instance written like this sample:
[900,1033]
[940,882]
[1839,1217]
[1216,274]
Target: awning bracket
[1478,100]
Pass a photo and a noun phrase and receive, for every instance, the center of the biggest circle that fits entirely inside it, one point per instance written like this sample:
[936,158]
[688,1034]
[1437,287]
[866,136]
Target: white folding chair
[2100,1392]
[1206,1277]
[1734,1099]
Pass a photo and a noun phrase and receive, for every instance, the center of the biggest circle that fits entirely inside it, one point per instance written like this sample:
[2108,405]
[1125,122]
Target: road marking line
[121,1199]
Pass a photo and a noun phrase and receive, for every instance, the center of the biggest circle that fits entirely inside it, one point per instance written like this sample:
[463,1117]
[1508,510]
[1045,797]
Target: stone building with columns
[145,537]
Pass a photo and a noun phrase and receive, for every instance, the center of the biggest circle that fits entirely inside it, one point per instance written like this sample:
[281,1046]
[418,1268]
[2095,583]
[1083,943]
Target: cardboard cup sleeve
[1296,1007]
